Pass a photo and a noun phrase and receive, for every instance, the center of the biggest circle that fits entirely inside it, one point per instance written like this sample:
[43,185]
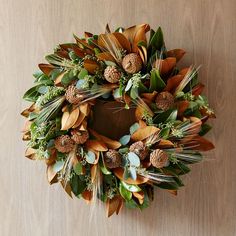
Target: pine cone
[64,143]
[132,63]
[159,158]
[74,95]
[140,149]
[111,74]
[165,101]
[112,159]
[80,137]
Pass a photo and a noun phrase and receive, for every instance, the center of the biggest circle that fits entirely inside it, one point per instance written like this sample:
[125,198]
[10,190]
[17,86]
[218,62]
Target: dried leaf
[139,196]
[91,66]
[59,78]
[119,174]
[112,205]
[140,36]
[84,108]
[165,144]
[93,172]
[79,120]
[177,53]
[174,192]
[96,145]
[46,68]
[27,111]
[150,96]
[123,41]
[105,56]
[67,188]
[121,204]
[165,66]
[181,107]
[87,196]
[51,175]
[144,133]
[69,119]
[197,90]
[173,83]
[30,153]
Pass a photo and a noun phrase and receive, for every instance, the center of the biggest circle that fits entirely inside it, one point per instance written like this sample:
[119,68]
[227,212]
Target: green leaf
[205,129]
[110,63]
[127,195]
[156,82]
[133,128]
[131,187]
[82,73]
[103,168]
[67,78]
[78,184]
[166,116]
[164,134]
[78,168]
[131,204]
[90,157]
[133,159]
[134,93]
[157,40]
[165,185]
[32,94]
[124,140]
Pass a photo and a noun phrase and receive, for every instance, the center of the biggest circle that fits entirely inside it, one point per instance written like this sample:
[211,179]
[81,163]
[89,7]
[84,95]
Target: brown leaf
[93,172]
[197,90]
[143,54]
[30,153]
[184,71]
[140,36]
[83,43]
[165,144]
[59,78]
[112,205]
[181,107]
[69,119]
[67,188]
[46,68]
[173,82]
[27,111]
[144,133]
[87,196]
[177,53]
[105,56]
[174,192]
[139,196]
[96,145]
[79,120]
[121,204]
[150,96]
[91,66]
[119,174]
[123,41]
[165,66]
[51,175]
[84,108]
[26,127]
[113,144]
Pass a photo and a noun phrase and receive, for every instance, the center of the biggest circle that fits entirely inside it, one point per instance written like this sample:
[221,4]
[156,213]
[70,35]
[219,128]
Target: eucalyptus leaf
[124,140]
[133,173]
[133,159]
[90,157]
[58,166]
[133,128]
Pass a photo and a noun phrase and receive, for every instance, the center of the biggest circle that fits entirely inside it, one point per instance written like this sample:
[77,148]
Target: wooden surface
[206,29]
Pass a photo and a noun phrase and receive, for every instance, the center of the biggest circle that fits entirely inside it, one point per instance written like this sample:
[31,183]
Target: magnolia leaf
[131,187]
[79,120]
[51,175]
[156,82]
[177,53]
[144,133]
[157,40]
[30,153]
[124,140]
[133,159]
[46,68]
[119,173]
[140,196]
[112,205]
[126,194]
[87,196]
[165,66]
[96,145]
[59,78]
[78,168]
[69,119]
[173,83]
[67,188]
[93,172]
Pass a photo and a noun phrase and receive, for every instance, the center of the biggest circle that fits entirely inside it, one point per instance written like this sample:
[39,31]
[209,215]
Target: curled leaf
[69,119]
[96,145]
[144,133]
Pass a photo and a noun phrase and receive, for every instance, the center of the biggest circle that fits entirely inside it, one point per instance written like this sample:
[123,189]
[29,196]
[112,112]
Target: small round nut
[132,63]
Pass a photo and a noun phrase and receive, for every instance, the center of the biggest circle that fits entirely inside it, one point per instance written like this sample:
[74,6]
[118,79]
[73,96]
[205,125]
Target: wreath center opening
[111,119]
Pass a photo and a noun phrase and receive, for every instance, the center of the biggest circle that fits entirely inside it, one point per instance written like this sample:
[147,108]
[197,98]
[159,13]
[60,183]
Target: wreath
[143,77]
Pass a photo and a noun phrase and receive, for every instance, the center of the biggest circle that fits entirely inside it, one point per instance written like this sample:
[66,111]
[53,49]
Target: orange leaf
[174,192]
[26,112]
[121,204]
[177,53]
[84,108]
[182,106]
[143,133]
[93,172]
[46,68]
[59,78]
[69,119]
[140,36]
[184,71]
[119,174]
[83,42]
[150,96]
[79,121]
[96,145]
[139,196]
[67,188]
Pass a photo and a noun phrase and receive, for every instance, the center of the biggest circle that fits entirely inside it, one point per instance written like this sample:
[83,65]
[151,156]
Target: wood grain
[206,29]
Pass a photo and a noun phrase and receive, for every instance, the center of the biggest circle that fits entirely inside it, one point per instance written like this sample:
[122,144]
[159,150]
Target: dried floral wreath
[118,66]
